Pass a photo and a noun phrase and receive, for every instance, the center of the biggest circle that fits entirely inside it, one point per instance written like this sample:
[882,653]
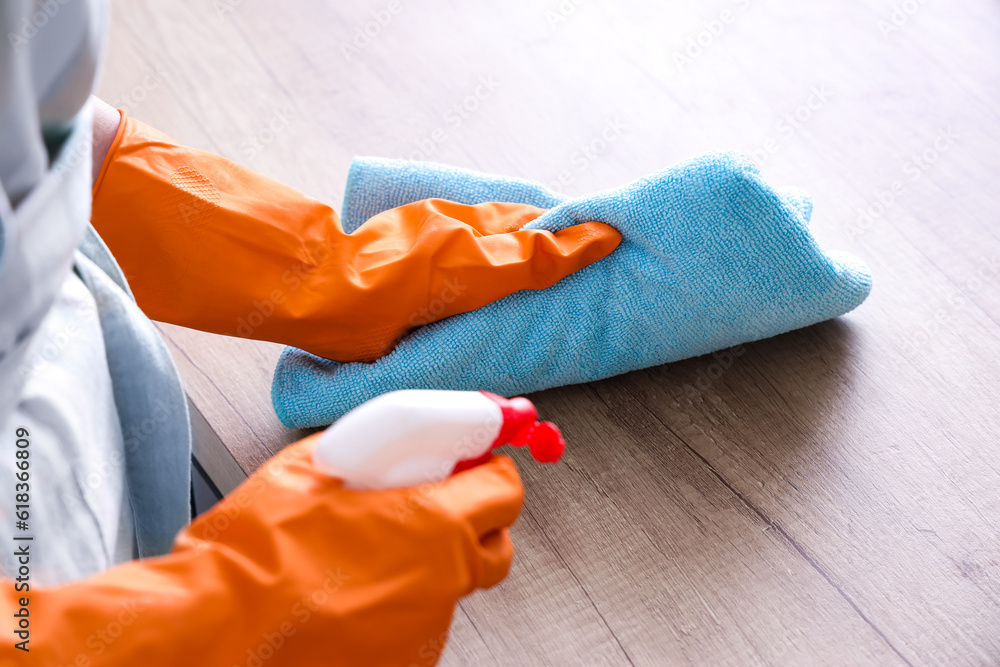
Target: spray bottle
[412,437]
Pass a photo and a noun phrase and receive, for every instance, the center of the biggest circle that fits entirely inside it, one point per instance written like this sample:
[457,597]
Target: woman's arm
[106,121]
[207,243]
[290,569]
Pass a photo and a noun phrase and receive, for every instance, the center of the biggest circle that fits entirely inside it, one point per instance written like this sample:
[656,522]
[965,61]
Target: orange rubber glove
[289,569]
[209,244]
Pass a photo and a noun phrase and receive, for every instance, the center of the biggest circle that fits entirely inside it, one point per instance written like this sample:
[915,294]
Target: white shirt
[80,516]
[54,376]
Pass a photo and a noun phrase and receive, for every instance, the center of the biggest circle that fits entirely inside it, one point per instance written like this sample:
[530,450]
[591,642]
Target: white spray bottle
[411,437]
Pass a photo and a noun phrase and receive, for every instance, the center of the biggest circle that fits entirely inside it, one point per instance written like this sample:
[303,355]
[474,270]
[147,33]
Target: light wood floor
[830,496]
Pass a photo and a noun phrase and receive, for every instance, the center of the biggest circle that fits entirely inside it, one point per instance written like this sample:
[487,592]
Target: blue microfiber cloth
[711,257]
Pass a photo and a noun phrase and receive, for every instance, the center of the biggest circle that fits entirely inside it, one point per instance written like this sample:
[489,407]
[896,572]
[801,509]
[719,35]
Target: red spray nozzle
[544,440]
[521,427]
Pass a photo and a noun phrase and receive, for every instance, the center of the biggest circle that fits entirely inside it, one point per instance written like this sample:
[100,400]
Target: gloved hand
[289,569]
[209,244]
[711,257]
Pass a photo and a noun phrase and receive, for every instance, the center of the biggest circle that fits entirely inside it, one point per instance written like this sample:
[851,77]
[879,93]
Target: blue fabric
[711,257]
[150,400]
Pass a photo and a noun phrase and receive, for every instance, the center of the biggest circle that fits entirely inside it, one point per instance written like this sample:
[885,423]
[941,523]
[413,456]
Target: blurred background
[660,81]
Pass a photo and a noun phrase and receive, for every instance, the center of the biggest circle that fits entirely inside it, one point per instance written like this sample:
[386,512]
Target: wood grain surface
[830,496]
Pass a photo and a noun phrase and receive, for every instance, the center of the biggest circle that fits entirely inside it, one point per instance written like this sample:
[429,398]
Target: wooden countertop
[829,496]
